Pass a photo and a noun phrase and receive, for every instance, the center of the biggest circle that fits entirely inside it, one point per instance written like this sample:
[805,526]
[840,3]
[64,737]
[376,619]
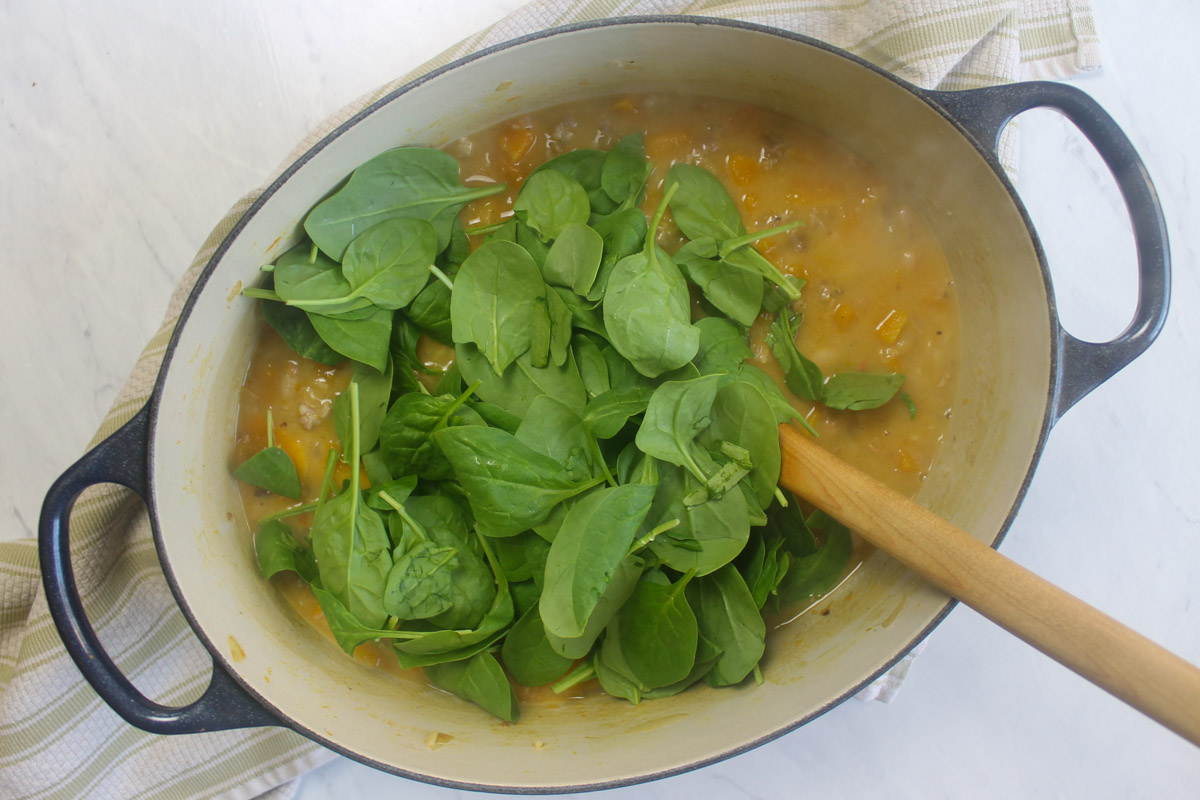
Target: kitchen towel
[59,740]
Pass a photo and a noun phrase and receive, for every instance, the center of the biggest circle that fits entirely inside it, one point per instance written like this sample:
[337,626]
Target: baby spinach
[658,631]
[419,585]
[733,289]
[710,533]
[742,416]
[608,413]
[389,263]
[412,182]
[595,538]
[480,680]
[511,487]
[703,209]
[820,572]
[271,468]
[405,434]
[574,258]
[859,391]
[374,392]
[730,620]
[676,413]
[803,377]
[647,309]
[584,483]
[549,201]
[366,339]
[351,544]
[625,169]
[528,655]
[491,302]
[278,551]
[298,333]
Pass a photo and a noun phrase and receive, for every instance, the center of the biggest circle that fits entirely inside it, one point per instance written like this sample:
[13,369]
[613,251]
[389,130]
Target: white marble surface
[127,129]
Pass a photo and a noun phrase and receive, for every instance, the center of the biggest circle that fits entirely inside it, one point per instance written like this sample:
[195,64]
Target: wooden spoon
[1119,660]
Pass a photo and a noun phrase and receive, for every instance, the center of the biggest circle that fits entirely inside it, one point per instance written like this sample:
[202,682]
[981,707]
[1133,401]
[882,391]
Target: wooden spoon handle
[1121,661]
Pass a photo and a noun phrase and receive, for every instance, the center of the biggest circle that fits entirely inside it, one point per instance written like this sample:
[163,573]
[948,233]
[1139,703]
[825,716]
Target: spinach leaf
[724,347]
[301,278]
[389,263]
[819,573]
[676,413]
[733,289]
[703,209]
[366,340]
[585,166]
[549,201]
[419,585]
[623,233]
[616,593]
[658,631]
[574,258]
[278,551]
[510,486]
[298,333]
[729,619]
[413,182]
[480,680]
[351,543]
[555,430]
[742,416]
[710,534]
[271,468]
[521,383]
[608,413]
[803,377]
[593,369]
[491,302]
[625,169]
[595,538]
[348,630]
[764,564]
[527,653]
[859,391]
[647,309]
[404,434]
[353,553]
[374,391]
[585,314]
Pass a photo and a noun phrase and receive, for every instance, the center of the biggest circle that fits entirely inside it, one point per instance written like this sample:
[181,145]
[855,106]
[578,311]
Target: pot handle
[1085,365]
[121,458]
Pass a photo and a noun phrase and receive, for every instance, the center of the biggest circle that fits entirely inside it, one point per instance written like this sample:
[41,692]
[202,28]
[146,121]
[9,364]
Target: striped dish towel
[59,740]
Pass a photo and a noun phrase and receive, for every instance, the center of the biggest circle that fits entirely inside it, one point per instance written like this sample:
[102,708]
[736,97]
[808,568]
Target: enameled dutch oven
[1021,372]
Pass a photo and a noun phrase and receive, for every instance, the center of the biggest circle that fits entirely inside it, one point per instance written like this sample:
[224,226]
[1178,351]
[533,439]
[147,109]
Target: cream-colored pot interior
[1000,418]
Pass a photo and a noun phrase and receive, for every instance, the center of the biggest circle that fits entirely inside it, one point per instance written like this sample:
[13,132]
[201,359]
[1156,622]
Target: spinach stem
[441,276]
[261,294]
[312,254]
[355,456]
[574,678]
[599,457]
[729,245]
[652,231]
[781,497]
[270,429]
[303,508]
[398,507]
[652,535]
[327,479]
[477,230]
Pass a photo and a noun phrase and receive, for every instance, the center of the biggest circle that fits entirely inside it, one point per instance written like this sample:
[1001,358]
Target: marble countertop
[129,128]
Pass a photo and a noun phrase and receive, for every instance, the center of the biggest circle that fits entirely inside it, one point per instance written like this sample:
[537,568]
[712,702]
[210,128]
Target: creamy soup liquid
[879,295]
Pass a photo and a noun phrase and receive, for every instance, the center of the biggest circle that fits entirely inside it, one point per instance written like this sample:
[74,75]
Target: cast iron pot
[1022,372]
